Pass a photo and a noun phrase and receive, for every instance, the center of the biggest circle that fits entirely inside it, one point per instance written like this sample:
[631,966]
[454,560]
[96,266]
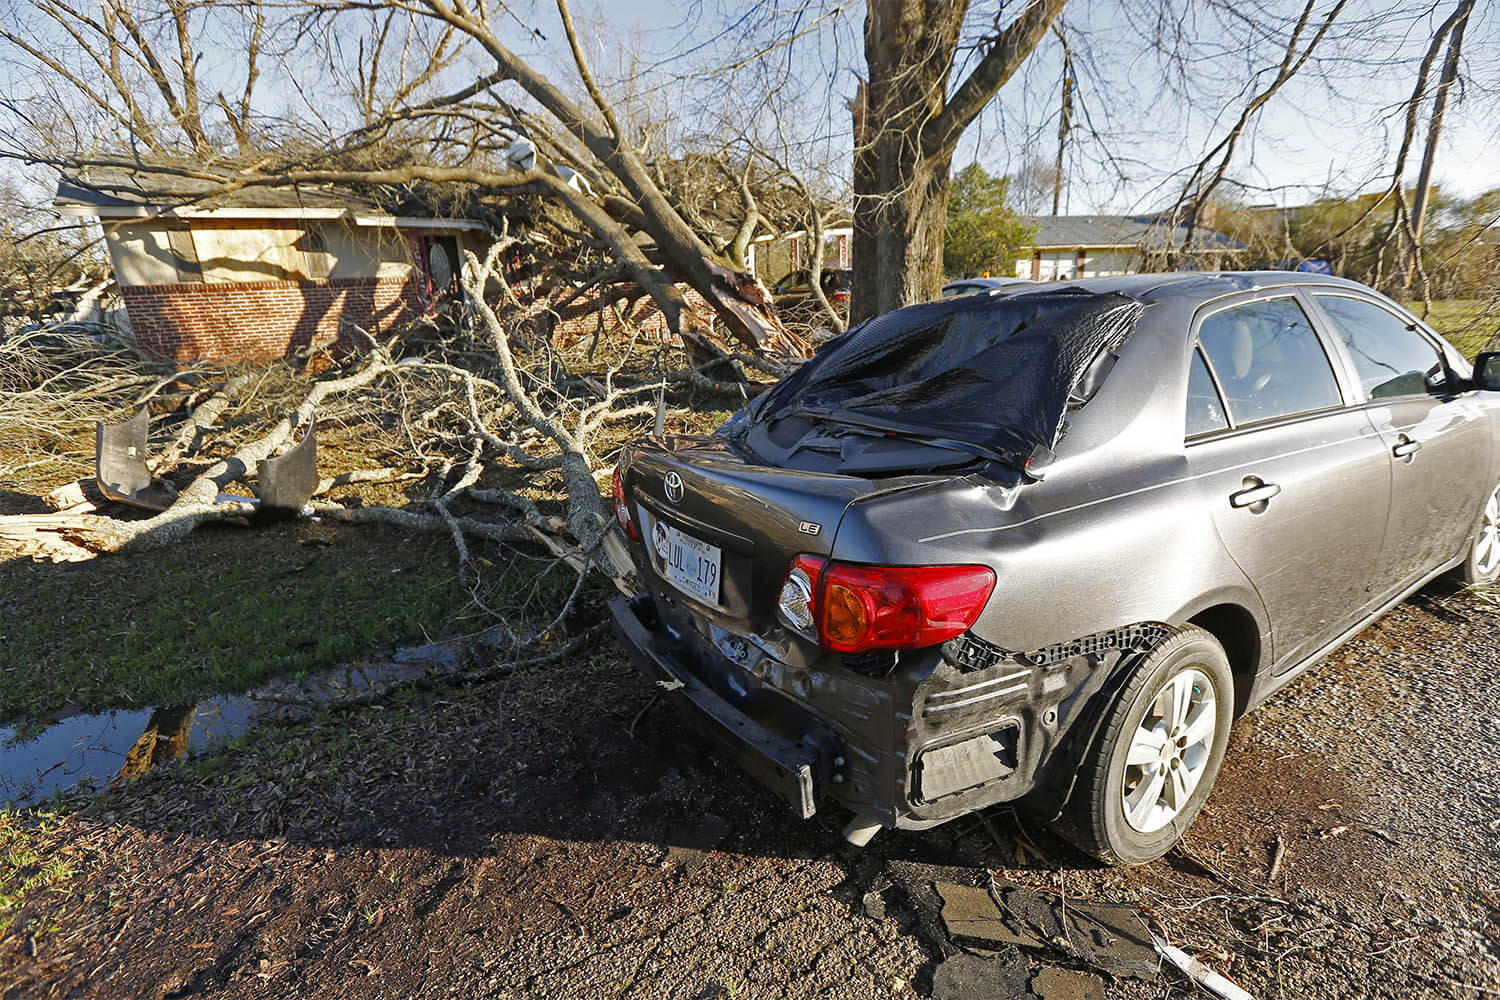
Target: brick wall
[265,320]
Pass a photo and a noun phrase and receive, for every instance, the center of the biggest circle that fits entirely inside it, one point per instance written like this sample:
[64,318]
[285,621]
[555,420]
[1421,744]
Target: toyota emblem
[673,485]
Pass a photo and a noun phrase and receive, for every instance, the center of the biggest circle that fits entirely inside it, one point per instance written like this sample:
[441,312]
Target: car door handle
[1254,495]
[1406,446]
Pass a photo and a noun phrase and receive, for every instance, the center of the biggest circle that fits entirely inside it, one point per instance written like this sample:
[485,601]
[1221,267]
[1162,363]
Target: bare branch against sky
[1155,79]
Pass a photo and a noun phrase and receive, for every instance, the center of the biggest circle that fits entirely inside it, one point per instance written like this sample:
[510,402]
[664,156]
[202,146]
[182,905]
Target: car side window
[1392,359]
[1205,411]
[790,283]
[1269,360]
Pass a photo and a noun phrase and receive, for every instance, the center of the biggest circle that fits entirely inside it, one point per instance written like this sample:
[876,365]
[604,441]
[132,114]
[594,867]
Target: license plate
[689,564]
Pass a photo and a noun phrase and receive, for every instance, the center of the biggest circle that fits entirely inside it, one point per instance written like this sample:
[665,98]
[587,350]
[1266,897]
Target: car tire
[1114,812]
[1482,565]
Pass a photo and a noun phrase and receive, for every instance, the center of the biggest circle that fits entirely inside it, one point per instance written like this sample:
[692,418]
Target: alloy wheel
[1487,545]
[1171,744]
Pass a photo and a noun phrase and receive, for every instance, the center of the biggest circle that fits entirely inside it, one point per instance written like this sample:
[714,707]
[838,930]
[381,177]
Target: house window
[315,255]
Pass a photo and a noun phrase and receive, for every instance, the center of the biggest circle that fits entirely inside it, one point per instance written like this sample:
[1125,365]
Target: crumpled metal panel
[991,370]
[120,464]
[286,483]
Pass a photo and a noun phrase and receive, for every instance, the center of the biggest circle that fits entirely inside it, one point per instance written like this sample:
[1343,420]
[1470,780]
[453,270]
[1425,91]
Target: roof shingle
[1148,231]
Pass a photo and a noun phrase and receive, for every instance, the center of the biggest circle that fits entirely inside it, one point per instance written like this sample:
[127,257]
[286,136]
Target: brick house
[263,273]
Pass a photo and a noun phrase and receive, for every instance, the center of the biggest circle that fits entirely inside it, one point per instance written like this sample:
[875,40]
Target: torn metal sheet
[120,465]
[286,483]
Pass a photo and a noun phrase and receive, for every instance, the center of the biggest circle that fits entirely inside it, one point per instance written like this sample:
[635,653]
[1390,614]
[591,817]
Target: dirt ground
[538,837]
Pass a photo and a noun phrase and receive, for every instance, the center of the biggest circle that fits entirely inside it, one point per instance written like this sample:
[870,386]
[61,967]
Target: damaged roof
[116,192]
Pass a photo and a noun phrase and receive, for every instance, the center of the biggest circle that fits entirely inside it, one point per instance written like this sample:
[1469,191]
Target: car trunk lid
[720,529]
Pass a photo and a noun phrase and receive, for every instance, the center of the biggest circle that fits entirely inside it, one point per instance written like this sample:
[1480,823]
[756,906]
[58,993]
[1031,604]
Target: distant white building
[1088,246]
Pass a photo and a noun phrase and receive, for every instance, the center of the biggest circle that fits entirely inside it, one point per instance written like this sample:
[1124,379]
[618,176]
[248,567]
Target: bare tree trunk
[1434,131]
[898,233]
[906,127]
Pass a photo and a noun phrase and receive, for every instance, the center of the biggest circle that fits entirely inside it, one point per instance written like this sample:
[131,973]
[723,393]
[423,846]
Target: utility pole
[1065,123]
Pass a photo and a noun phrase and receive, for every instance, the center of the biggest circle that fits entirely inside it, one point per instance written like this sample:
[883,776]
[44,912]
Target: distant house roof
[1061,232]
[126,192]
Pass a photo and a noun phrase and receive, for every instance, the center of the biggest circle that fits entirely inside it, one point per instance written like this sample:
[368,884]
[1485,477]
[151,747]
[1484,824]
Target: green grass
[217,612]
[25,870]
[1467,323]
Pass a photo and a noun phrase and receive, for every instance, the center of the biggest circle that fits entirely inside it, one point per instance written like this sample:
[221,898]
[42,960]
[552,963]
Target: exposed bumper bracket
[783,766]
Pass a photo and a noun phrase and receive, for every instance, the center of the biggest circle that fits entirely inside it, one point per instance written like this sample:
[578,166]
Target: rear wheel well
[1237,632]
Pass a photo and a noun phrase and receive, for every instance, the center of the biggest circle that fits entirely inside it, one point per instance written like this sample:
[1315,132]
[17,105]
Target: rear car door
[1297,481]
[1438,440]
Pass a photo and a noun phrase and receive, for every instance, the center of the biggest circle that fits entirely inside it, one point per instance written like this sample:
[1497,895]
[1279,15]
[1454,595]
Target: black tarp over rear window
[994,371]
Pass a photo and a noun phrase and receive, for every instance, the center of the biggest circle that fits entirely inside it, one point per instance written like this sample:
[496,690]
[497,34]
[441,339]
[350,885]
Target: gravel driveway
[537,837]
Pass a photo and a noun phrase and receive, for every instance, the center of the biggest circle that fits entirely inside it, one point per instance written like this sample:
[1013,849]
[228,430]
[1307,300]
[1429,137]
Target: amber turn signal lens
[846,618]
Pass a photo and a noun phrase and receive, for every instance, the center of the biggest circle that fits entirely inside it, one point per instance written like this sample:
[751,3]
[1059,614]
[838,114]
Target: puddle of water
[112,747]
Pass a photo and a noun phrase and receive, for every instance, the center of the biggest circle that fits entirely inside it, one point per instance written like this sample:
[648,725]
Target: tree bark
[735,296]
[898,234]
[907,125]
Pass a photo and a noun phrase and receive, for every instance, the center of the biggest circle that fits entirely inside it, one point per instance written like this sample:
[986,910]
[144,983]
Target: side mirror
[1487,371]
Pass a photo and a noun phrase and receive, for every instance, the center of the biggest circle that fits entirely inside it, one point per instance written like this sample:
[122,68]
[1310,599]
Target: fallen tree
[508,440]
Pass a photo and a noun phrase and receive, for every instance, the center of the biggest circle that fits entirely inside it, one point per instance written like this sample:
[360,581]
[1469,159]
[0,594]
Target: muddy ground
[535,837]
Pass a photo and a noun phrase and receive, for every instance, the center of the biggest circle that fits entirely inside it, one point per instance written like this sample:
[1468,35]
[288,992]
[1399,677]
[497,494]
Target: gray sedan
[1048,544]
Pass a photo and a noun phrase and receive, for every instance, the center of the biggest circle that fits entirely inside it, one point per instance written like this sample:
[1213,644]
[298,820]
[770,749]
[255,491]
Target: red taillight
[841,297]
[622,509]
[859,608]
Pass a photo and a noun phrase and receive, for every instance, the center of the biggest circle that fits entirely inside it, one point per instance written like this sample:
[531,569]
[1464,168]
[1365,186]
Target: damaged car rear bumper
[788,767]
[911,750]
